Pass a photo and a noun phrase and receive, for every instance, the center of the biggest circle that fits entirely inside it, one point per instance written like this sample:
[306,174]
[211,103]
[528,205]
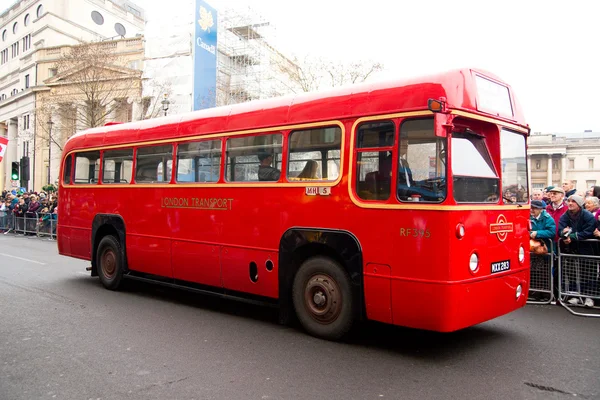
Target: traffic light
[14,175]
[24,168]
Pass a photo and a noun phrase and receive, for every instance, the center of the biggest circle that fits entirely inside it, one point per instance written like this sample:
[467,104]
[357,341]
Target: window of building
[40,11]
[154,164]
[15,27]
[87,167]
[26,20]
[254,158]
[120,29]
[4,35]
[590,163]
[26,121]
[26,81]
[27,42]
[97,18]
[538,164]
[589,184]
[374,143]
[14,50]
[117,166]
[314,154]
[555,164]
[199,161]
[4,56]
[14,92]
[571,163]
[52,72]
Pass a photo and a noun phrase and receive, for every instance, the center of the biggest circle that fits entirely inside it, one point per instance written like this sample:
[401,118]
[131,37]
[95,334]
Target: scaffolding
[249,68]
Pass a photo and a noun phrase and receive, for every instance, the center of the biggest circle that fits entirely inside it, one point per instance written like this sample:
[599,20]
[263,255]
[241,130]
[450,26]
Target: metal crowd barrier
[37,224]
[541,279]
[579,282]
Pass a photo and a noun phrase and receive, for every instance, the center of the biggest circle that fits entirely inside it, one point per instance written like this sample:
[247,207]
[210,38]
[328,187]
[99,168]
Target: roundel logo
[501,228]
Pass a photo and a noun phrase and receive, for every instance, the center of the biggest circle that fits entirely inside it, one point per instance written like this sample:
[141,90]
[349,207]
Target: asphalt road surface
[62,336]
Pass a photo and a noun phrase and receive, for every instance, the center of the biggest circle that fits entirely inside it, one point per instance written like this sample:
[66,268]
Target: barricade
[46,225]
[579,283]
[541,277]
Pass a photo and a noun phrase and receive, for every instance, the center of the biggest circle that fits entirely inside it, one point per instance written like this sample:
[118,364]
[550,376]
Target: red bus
[402,202]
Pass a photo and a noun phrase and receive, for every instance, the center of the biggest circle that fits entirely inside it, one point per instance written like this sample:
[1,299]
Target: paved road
[62,336]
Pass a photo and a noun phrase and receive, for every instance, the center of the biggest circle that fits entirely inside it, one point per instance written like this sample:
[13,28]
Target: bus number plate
[500,266]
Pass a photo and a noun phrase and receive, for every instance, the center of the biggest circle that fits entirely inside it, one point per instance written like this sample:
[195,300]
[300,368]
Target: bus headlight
[519,291]
[521,254]
[474,263]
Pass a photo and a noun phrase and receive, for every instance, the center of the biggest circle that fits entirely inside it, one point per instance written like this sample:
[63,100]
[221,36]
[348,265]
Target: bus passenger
[309,171]
[265,171]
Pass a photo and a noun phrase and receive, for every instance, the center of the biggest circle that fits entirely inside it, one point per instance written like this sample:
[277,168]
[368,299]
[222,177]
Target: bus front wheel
[109,259]
[323,298]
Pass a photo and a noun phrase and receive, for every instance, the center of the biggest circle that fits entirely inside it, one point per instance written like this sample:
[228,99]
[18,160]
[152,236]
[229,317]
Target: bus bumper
[447,307]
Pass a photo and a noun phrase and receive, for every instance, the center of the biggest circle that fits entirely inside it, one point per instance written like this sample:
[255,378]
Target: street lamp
[49,123]
[165,104]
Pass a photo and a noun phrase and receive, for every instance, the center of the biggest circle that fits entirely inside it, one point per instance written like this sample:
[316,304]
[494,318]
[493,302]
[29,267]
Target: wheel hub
[322,298]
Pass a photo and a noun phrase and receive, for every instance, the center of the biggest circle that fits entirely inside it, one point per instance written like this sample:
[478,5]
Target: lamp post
[49,123]
[165,104]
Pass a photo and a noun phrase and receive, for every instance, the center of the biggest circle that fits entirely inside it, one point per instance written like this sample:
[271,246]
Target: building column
[4,161]
[529,183]
[54,161]
[563,168]
[136,110]
[549,178]
[11,152]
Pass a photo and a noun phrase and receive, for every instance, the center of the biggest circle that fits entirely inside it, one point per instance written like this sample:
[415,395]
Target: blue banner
[205,56]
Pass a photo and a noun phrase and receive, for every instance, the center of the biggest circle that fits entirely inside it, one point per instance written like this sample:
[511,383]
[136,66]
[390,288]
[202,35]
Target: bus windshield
[474,177]
[514,167]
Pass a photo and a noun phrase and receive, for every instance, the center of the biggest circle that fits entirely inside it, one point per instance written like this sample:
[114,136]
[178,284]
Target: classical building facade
[29,27]
[109,71]
[555,158]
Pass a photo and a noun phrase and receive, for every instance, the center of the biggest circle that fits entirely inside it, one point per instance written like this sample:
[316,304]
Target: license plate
[500,266]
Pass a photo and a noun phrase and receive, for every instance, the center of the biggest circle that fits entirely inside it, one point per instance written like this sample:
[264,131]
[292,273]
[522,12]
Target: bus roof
[459,88]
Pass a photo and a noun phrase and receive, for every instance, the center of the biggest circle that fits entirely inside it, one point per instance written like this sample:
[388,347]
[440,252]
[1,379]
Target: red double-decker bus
[402,202]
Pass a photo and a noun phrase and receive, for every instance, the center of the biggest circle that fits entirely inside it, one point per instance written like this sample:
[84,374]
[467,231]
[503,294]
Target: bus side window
[199,161]
[117,166]
[314,154]
[154,164]
[375,141]
[87,167]
[249,155]
[67,170]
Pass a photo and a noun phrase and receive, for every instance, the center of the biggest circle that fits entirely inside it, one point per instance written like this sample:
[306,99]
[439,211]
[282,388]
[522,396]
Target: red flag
[3,146]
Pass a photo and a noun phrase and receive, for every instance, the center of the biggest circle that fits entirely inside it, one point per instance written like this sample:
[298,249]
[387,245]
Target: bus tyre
[323,298]
[110,262]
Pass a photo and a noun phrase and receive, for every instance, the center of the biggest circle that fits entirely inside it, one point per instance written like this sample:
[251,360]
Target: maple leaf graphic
[206,19]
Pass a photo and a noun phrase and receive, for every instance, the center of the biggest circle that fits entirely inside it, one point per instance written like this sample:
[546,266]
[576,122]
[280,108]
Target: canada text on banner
[3,146]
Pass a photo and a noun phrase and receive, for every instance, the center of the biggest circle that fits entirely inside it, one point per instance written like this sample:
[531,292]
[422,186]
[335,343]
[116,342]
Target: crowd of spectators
[28,212]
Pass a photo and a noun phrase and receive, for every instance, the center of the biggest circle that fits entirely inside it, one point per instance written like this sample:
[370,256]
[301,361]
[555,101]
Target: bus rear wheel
[109,259]
[323,298]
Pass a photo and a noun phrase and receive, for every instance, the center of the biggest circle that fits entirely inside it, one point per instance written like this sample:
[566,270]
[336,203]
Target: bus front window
[514,167]
[474,176]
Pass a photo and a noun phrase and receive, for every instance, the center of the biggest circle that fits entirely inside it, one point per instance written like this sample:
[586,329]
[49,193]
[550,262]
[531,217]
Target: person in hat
[542,224]
[576,226]
[266,172]
[557,206]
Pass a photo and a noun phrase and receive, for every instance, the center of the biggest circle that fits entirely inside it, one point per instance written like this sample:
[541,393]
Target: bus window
[87,167]
[153,164]
[67,170]
[199,161]
[474,176]
[514,167]
[117,166]
[254,158]
[307,150]
[374,142]
[421,162]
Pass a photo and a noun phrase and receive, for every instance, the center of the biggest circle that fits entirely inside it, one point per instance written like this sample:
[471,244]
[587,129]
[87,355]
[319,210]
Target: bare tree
[314,73]
[155,91]
[90,84]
